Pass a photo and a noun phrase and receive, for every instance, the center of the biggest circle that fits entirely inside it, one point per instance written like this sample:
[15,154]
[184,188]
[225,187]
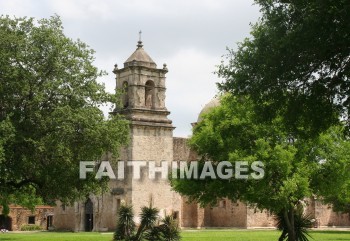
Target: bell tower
[143,85]
[151,132]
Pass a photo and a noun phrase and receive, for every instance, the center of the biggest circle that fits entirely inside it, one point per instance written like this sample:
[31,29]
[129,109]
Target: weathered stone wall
[153,144]
[189,211]
[19,216]
[106,216]
[257,218]
[192,216]
[228,214]
[182,152]
[325,216]
[65,217]
[73,218]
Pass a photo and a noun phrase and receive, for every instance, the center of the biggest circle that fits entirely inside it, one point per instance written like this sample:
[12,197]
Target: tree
[49,114]
[234,133]
[296,64]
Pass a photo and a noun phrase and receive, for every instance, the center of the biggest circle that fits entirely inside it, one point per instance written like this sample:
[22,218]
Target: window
[222,204]
[149,94]
[118,204]
[125,94]
[31,220]
[176,215]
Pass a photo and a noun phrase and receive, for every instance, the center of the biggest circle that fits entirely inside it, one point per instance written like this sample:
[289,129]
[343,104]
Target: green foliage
[49,114]
[168,230]
[332,175]
[232,132]
[295,64]
[153,234]
[125,225]
[149,216]
[30,227]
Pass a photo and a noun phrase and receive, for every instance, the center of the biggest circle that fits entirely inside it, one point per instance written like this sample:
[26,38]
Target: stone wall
[105,207]
[19,216]
[64,217]
[325,216]
[228,214]
[182,152]
[189,211]
[153,144]
[257,219]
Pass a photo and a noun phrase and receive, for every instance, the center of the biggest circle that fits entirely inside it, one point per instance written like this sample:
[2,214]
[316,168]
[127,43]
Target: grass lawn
[188,235]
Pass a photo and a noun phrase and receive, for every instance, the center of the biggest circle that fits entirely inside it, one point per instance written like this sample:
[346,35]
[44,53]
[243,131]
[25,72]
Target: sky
[190,36]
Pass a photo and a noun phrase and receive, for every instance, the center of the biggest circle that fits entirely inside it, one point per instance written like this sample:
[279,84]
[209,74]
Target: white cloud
[190,85]
[84,9]
[19,8]
[111,9]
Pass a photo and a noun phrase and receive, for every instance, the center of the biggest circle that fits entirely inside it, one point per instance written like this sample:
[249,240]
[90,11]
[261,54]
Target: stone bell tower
[143,104]
[144,89]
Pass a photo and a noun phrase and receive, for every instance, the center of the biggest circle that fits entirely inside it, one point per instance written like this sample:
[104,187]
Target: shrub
[301,224]
[168,230]
[30,227]
[125,225]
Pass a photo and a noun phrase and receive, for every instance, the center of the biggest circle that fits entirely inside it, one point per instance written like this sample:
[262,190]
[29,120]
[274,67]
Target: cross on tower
[139,43]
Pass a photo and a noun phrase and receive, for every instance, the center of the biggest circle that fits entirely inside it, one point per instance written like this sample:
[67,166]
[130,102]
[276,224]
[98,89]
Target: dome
[210,105]
[140,58]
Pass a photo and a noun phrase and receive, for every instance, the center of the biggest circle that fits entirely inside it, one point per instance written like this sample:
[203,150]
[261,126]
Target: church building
[151,139]
[151,131]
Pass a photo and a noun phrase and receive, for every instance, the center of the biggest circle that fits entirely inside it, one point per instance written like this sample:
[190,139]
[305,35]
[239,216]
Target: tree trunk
[291,232]
[289,219]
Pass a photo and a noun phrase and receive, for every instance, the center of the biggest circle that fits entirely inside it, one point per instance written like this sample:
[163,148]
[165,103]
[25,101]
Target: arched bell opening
[125,98]
[149,94]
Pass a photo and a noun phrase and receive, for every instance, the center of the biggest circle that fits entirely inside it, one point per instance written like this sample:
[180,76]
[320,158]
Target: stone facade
[151,133]
[19,216]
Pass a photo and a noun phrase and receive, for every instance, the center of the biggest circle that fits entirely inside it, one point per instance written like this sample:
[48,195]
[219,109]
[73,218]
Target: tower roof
[140,58]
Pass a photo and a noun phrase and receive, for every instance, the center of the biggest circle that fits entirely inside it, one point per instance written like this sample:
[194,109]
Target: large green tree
[289,109]
[296,63]
[294,167]
[49,114]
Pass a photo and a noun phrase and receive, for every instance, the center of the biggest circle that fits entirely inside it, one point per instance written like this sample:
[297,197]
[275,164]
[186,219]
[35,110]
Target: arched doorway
[5,222]
[89,215]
